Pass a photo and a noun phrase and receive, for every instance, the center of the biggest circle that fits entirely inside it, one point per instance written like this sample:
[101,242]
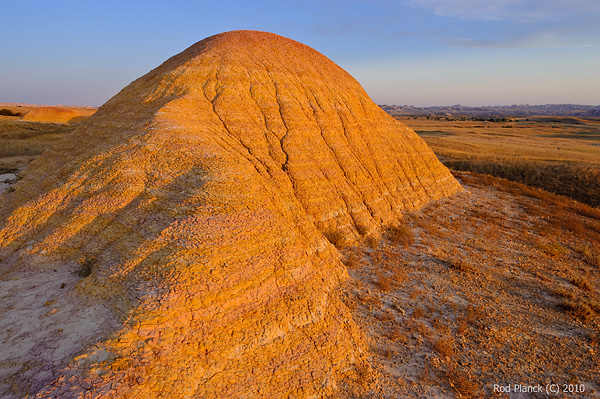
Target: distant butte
[174,245]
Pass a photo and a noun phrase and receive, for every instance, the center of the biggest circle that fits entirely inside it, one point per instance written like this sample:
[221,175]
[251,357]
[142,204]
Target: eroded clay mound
[57,115]
[187,216]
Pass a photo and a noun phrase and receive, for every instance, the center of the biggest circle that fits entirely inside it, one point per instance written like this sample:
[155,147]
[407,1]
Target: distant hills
[26,105]
[498,110]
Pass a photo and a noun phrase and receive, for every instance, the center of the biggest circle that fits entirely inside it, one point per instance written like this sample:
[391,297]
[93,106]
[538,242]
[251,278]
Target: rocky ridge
[185,223]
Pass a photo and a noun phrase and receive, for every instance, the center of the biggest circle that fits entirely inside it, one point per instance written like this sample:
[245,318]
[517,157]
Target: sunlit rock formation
[174,245]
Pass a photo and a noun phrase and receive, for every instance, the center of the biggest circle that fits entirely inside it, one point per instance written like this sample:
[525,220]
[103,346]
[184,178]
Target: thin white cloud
[496,10]
[534,40]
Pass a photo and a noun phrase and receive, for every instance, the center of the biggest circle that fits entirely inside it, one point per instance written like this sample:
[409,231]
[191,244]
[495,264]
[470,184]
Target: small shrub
[578,308]
[461,266]
[373,241]
[444,346]
[383,283]
[398,275]
[86,266]
[418,312]
[386,317]
[396,335]
[463,327]
[553,249]
[581,282]
[400,234]
[441,326]
[351,261]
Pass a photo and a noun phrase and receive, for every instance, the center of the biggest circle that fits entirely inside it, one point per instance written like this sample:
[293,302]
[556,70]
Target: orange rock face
[57,115]
[186,221]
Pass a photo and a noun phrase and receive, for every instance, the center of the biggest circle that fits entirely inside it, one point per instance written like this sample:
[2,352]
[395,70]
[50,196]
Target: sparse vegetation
[553,249]
[484,278]
[498,273]
[461,265]
[400,235]
[581,282]
[86,266]
[444,346]
[578,308]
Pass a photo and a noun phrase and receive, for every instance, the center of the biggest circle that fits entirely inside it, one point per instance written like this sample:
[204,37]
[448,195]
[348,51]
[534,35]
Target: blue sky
[419,52]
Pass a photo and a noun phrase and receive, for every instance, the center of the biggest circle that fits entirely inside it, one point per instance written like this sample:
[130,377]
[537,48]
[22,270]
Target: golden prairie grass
[580,182]
[560,155]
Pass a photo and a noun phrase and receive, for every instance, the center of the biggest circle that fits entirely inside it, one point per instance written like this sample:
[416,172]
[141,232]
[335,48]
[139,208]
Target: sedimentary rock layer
[184,223]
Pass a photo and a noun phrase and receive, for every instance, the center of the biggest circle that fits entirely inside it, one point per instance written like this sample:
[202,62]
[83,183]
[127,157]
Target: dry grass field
[558,154]
[21,142]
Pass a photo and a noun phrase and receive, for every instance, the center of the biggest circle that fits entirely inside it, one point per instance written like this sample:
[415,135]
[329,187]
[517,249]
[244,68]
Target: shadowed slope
[197,197]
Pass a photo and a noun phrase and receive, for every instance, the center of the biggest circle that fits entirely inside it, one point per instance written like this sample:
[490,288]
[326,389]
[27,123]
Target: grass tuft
[400,235]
